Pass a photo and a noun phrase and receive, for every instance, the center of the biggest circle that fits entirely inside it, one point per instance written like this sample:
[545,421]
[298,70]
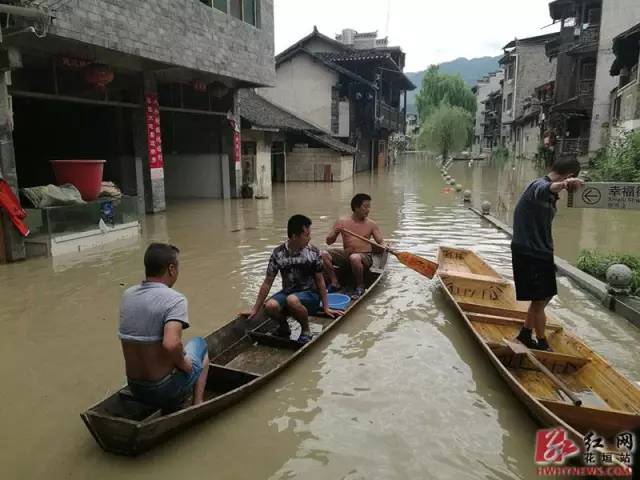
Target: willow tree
[439,88]
[446,130]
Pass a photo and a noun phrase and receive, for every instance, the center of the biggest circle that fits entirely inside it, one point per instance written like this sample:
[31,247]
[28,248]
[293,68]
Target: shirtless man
[160,371]
[356,253]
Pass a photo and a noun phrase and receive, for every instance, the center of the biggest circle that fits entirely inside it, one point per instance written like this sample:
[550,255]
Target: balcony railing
[391,118]
[573,146]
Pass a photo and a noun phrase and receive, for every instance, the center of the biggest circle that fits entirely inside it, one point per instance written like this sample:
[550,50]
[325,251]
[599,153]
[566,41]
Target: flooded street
[399,390]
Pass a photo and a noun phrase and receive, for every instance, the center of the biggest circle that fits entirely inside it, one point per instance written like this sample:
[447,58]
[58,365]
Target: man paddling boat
[532,246]
[356,253]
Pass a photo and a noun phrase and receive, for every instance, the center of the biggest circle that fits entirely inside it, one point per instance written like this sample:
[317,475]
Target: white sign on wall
[614,195]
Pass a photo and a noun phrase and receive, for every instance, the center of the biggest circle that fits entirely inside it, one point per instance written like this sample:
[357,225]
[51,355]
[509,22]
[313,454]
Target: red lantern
[98,75]
[199,86]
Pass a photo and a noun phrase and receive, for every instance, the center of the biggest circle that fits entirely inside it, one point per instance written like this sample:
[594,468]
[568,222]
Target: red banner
[154,137]
[236,149]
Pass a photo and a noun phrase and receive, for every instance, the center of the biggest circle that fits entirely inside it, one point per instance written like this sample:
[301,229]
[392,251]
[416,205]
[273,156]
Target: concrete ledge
[77,242]
[628,307]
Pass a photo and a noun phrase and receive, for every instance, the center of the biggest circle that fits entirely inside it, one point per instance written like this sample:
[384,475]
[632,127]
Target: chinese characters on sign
[554,447]
[154,138]
[236,144]
[606,195]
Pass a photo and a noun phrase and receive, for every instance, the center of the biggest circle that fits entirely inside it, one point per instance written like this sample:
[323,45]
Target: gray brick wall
[184,33]
[534,69]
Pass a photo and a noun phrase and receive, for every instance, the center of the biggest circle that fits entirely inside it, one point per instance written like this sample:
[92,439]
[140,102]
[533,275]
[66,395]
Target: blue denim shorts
[310,300]
[170,391]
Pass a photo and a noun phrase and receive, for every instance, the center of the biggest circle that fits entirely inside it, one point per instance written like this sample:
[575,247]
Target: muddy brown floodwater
[397,391]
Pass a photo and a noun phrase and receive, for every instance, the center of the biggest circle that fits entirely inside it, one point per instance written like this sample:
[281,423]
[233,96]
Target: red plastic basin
[85,175]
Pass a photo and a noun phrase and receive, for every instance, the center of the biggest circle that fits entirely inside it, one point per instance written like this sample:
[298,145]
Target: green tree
[438,88]
[446,129]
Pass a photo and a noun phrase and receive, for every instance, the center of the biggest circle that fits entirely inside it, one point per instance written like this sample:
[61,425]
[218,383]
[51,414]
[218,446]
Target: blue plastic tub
[339,301]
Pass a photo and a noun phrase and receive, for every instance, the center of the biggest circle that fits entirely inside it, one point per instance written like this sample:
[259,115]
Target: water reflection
[399,390]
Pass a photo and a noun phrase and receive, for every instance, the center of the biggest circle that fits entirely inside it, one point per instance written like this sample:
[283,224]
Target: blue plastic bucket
[339,301]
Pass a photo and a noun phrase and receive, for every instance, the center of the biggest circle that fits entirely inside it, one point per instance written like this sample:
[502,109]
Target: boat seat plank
[497,320]
[554,361]
[469,307]
[476,276]
[606,422]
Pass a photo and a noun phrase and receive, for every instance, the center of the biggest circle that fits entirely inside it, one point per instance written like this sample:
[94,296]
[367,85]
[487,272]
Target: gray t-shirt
[145,309]
[532,220]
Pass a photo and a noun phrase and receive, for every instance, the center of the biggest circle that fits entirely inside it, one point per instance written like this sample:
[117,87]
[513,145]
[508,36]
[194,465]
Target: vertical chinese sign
[236,144]
[154,137]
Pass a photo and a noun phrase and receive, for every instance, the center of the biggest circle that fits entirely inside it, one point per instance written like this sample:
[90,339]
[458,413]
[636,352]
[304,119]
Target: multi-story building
[149,86]
[525,67]
[483,88]
[492,124]
[350,88]
[625,98]
[580,114]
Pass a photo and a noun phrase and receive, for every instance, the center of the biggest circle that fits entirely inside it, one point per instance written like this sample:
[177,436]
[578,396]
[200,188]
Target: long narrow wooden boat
[488,306]
[243,355]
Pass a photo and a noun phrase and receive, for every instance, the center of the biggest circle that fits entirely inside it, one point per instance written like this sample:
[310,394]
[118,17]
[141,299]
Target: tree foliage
[446,129]
[619,162]
[438,88]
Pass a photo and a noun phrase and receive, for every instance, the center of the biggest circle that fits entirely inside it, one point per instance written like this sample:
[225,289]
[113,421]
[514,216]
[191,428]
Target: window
[510,101]
[510,71]
[249,11]
[593,16]
[220,5]
[236,9]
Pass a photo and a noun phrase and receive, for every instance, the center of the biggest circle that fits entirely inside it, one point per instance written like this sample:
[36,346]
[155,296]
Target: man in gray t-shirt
[160,371]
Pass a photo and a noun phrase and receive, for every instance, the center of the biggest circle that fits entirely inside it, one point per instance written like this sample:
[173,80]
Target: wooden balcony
[390,118]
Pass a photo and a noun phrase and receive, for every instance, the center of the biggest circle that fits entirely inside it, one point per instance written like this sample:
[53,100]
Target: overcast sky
[429,31]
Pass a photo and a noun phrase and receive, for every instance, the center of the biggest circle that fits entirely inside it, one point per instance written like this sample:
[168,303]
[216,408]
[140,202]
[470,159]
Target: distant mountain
[469,69]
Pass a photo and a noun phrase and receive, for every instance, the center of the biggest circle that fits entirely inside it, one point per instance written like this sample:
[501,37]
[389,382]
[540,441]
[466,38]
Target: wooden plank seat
[469,307]
[517,322]
[476,276]
[606,422]
[554,361]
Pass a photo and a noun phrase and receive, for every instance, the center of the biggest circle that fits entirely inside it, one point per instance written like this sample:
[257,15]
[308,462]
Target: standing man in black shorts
[532,246]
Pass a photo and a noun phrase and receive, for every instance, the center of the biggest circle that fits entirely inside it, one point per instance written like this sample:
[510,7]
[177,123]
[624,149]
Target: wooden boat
[487,303]
[243,355]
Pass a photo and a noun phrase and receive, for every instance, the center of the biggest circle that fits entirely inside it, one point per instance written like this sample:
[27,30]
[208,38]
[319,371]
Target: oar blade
[421,265]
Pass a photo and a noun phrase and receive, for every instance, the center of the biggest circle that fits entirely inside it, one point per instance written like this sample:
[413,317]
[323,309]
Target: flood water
[397,391]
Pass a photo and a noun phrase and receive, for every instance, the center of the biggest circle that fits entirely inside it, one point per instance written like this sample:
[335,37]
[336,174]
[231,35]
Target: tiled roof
[357,55]
[261,113]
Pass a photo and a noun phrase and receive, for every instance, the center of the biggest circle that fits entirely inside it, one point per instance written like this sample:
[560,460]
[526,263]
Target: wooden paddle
[519,348]
[421,265]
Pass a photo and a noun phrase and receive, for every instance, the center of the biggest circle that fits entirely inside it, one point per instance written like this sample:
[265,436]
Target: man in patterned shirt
[300,266]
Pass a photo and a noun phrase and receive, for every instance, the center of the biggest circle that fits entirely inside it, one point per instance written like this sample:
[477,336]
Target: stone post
[13,241]
[619,279]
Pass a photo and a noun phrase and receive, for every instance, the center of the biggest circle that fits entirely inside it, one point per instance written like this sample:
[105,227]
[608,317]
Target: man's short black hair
[359,199]
[566,165]
[158,257]
[297,224]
